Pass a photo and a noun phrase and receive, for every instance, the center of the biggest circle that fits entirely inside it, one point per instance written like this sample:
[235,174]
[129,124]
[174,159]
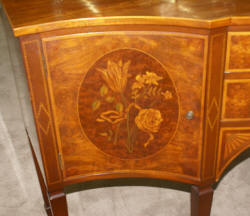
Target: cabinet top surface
[28,17]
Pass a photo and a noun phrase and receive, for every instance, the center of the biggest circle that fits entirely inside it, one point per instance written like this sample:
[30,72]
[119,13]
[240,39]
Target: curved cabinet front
[128,104]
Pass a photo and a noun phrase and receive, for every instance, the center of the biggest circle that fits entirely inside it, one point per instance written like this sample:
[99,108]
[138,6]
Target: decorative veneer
[236,100]
[41,107]
[75,112]
[117,95]
[238,53]
[232,142]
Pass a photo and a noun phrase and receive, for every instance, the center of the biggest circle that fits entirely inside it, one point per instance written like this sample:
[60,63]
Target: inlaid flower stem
[128,142]
[116,133]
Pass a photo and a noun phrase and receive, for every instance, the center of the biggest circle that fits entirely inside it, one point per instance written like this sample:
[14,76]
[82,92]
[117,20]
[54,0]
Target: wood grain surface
[28,17]
[238,55]
[74,60]
[217,49]
[41,108]
[233,141]
[236,100]
[201,200]
[128,105]
[234,131]
[155,89]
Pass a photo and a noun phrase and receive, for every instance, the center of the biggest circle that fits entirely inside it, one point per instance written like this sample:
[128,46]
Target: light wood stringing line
[208,96]
[34,108]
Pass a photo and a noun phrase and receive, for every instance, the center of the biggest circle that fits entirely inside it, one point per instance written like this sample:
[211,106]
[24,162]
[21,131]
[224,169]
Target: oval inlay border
[128,105]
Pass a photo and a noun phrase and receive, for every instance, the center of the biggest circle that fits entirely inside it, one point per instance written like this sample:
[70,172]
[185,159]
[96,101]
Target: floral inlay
[145,85]
[149,121]
[115,75]
[130,106]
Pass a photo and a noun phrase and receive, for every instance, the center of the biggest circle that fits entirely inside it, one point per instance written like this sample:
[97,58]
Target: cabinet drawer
[123,97]
[238,52]
[236,100]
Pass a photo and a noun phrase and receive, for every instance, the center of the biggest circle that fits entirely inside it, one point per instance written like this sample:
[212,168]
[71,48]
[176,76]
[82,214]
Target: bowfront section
[125,89]
[128,103]
[146,103]
[114,103]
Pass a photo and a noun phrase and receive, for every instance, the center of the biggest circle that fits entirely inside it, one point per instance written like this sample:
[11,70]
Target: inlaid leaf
[110,135]
[119,107]
[100,120]
[109,99]
[126,66]
[103,90]
[159,91]
[135,93]
[95,105]
[150,91]
[103,134]
[110,132]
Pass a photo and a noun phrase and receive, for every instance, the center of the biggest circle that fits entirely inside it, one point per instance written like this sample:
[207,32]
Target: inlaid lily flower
[151,78]
[115,75]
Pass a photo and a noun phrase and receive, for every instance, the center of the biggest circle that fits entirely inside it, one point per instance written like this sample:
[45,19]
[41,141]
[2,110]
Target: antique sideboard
[146,89]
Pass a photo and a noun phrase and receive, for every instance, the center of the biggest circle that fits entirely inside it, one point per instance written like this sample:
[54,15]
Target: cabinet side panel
[37,85]
[213,103]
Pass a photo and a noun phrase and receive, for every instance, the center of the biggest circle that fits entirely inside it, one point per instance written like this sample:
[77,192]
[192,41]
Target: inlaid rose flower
[149,121]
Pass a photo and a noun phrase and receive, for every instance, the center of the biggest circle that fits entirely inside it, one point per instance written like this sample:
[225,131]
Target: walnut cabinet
[122,90]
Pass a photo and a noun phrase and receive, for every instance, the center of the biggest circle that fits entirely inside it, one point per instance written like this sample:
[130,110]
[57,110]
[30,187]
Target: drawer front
[238,52]
[236,100]
[120,101]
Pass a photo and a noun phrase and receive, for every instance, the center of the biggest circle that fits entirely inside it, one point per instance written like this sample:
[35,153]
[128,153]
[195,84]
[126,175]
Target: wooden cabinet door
[128,103]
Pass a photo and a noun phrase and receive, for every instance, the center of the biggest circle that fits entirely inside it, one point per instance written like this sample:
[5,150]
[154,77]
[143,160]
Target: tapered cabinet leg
[58,203]
[201,200]
[41,181]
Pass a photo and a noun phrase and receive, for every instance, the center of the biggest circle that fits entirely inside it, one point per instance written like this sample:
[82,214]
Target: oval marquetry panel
[130,108]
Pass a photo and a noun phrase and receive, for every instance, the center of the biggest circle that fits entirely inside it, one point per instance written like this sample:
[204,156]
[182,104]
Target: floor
[20,193]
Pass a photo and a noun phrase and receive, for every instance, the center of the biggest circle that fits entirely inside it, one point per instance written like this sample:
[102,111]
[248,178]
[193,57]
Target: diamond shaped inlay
[43,118]
[213,113]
